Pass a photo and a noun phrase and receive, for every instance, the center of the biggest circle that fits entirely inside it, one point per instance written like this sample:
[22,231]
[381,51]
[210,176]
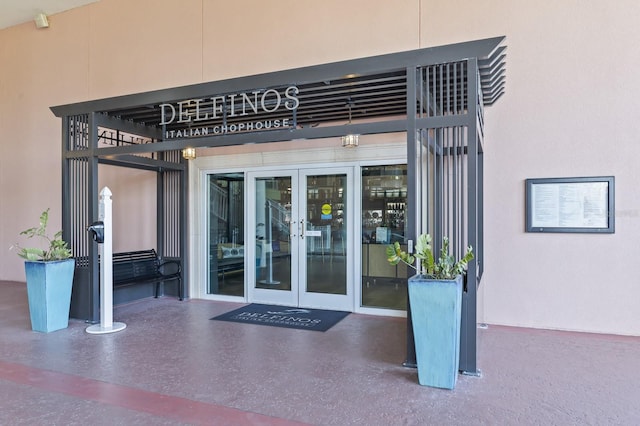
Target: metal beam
[257,137]
[114,123]
[143,163]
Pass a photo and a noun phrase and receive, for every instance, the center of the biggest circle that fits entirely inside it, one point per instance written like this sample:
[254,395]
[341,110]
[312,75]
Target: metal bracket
[476,373]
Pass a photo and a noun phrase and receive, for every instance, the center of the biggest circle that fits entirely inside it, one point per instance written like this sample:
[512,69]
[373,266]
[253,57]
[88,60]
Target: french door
[302,225]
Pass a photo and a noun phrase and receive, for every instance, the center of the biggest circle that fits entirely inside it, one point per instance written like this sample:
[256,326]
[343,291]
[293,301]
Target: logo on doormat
[290,311]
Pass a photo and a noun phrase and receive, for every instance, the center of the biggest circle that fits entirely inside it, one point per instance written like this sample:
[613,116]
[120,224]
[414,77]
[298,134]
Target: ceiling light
[350,141]
[189,153]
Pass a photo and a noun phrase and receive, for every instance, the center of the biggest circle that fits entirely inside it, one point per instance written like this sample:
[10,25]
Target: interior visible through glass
[384,204]
[273,220]
[325,235]
[226,234]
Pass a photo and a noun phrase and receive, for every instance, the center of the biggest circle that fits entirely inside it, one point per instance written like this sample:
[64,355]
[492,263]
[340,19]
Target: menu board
[570,204]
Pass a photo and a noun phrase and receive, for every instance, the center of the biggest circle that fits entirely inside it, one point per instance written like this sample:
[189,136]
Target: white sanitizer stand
[105,251]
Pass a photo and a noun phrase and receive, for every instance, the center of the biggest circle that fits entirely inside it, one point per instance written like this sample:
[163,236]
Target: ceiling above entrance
[364,97]
[372,96]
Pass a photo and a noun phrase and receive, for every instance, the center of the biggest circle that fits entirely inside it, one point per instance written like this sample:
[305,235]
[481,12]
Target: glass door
[325,247]
[300,221]
[273,227]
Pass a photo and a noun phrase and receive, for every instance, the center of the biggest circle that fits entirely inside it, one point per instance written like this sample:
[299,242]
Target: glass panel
[273,219]
[226,234]
[325,235]
[384,202]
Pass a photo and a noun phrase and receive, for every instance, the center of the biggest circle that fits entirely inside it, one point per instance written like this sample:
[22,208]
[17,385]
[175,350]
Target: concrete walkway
[172,366]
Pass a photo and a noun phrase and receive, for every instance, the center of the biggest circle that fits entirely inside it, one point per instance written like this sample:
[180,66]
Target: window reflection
[226,234]
[384,204]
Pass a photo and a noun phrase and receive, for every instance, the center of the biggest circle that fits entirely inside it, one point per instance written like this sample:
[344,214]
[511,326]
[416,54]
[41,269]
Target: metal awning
[367,89]
[435,95]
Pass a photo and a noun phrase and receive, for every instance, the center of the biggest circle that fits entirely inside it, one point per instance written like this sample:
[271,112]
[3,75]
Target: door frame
[297,296]
[345,302]
[303,154]
[253,294]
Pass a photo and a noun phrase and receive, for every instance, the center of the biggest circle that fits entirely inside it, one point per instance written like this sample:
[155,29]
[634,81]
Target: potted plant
[49,273]
[435,296]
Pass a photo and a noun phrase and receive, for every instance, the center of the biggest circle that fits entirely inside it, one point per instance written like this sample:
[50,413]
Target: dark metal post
[92,213]
[183,230]
[66,196]
[160,210]
[412,195]
[468,326]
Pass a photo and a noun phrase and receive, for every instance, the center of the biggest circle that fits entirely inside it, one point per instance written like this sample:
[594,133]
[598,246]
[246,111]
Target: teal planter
[49,291]
[436,314]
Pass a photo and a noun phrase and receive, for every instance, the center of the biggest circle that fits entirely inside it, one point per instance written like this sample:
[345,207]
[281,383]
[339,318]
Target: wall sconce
[350,140]
[189,153]
[41,21]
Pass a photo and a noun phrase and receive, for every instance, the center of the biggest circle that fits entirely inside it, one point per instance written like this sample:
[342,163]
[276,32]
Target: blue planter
[49,291]
[436,314]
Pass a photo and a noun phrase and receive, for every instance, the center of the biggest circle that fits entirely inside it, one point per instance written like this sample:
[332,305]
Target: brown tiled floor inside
[172,365]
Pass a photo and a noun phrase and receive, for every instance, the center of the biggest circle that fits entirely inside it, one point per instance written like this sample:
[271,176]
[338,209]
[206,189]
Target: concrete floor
[174,366]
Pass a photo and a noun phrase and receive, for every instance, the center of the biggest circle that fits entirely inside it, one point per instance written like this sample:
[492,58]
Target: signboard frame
[571,204]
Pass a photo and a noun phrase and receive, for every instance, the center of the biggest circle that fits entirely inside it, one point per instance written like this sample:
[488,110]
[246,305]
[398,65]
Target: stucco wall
[569,110]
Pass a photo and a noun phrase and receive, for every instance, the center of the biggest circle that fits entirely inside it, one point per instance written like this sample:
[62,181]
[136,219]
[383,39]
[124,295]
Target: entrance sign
[584,204]
[204,111]
[252,126]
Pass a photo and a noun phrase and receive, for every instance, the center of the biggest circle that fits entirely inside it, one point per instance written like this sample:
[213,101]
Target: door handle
[292,229]
[302,229]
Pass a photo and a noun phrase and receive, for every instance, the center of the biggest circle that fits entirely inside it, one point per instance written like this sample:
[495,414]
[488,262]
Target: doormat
[282,316]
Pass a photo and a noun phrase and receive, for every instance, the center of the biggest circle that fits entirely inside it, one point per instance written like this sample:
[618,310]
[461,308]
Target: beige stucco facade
[570,109]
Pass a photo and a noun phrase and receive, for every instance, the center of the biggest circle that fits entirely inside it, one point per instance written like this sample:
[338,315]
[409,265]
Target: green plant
[58,249]
[445,267]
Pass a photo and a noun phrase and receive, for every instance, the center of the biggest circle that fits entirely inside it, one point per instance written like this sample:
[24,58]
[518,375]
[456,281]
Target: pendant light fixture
[350,140]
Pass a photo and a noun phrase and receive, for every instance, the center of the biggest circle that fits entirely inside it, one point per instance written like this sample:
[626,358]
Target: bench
[144,266]
[227,266]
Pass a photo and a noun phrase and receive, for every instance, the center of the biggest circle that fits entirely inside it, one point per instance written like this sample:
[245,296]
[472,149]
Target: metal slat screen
[449,175]
[444,89]
[443,172]
[76,178]
[444,188]
[172,208]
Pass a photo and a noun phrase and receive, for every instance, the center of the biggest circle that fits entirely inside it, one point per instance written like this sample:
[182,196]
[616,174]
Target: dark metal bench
[144,266]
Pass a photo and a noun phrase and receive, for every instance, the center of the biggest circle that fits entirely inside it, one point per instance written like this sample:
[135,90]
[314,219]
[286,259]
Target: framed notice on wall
[582,204]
